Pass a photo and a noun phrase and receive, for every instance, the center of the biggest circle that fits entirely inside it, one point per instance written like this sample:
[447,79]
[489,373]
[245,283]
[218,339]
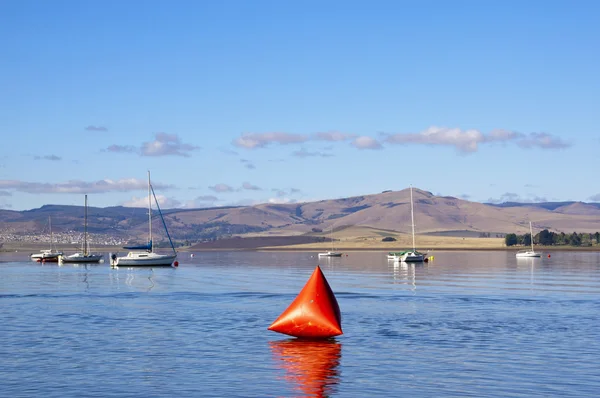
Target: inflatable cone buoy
[314,313]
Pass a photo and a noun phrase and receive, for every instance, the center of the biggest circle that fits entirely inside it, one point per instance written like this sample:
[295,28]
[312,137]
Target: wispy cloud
[228,151]
[333,136]
[463,141]
[365,142]
[279,192]
[595,198]
[163,201]
[76,186]
[202,201]
[251,187]
[53,158]
[220,188]
[468,141]
[248,164]
[96,128]
[304,153]
[166,144]
[163,145]
[513,197]
[207,198]
[543,141]
[5,193]
[121,148]
[261,140]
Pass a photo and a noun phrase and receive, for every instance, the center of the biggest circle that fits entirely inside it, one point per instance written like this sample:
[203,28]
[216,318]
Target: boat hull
[407,257]
[330,254]
[81,259]
[46,257]
[528,255]
[145,260]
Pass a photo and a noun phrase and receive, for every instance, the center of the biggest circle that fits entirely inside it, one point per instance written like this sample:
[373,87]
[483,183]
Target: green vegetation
[547,238]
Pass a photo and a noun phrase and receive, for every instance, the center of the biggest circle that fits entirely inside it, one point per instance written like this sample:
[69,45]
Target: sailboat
[332,252]
[529,253]
[409,256]
[48,255]
[145,255]
[84,256]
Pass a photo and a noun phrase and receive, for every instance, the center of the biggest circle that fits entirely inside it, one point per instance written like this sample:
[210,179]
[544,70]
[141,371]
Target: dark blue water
[467,324]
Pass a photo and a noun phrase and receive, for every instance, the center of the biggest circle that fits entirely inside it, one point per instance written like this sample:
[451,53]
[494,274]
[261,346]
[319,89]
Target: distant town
[60,238]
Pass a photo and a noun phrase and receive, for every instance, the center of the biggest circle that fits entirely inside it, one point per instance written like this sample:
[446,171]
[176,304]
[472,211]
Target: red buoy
[548,256]
[176,264]
[314,313]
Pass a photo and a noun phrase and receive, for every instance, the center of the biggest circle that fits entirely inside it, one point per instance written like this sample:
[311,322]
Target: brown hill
[385,213]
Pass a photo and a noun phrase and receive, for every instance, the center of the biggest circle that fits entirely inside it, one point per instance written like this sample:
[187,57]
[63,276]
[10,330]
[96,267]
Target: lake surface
[480,324]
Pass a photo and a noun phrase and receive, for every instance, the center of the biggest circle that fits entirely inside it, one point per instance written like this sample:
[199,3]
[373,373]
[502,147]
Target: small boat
[84,256]
[529,253]
[409,256]
[48,255]
[144,255]
[332,252]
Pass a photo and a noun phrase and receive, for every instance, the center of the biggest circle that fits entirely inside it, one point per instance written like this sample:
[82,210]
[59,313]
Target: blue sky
[243,102]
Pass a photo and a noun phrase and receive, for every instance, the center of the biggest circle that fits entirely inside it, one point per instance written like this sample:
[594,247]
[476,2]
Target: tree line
[547,238]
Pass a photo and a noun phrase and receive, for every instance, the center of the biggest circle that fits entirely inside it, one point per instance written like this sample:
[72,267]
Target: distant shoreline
[252,245]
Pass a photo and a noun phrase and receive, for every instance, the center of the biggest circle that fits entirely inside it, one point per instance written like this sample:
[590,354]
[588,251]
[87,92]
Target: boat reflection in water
[310,365]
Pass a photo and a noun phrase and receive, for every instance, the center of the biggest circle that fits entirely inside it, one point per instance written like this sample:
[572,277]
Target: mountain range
[389,210]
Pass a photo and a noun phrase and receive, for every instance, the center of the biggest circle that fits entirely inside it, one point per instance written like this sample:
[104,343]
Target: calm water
[467,324]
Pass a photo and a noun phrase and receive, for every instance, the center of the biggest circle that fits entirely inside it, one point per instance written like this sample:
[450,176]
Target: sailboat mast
[85,247]
[531,235]
[412,218]
[150,214]
[51,236]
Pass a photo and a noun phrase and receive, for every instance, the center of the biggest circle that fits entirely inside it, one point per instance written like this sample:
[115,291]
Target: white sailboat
[84,256]
[409,256]
[48,255]
[145,255]
[332,252]
[529,253]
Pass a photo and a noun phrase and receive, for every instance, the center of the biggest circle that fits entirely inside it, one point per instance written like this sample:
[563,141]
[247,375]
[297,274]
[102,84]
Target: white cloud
[166,144]
[464,141]
[281,200]
[542,140]
[163,201]
[76,186]
[251,187]
[468,141]
[513,197]
[365,142]
[334,136]
[221,188]
[163,145]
